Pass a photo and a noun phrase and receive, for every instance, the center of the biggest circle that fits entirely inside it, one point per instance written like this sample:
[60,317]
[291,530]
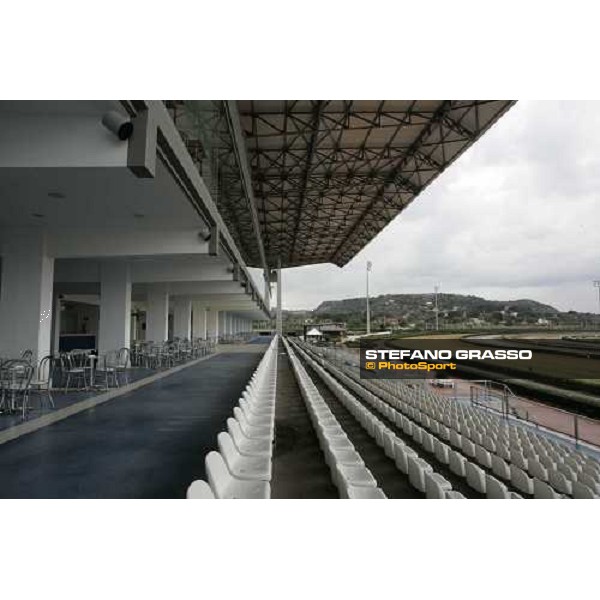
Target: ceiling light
[57,195]
[37,215]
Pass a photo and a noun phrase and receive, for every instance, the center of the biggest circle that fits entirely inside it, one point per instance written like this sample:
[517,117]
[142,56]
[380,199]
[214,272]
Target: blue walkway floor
[149,443]
[40,405]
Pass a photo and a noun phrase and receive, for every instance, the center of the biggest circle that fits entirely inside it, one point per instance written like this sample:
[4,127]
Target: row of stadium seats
[348,471]
[514,452]
[530,462]
[421,474]
[476,478]
[242,466]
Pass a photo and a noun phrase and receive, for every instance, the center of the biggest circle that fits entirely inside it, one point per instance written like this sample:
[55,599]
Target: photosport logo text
[386,363]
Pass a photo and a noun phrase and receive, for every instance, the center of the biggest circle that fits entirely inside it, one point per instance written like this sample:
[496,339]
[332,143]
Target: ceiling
[329,175]
[90,198]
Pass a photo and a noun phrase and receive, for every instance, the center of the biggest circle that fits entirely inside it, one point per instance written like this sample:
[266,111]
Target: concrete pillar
[199,321]
[26,295]
[212,323]
[267,292]
[157,314]
[182,319]
[114,328]
[222,323]
[56,310]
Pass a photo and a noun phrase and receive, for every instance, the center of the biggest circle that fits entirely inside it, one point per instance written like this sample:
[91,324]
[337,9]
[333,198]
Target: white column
[268,291]
[114,329]
[222,322]
[182,318]
[56,324]
[26,295]
[157,314]
[199,321]
[212,323]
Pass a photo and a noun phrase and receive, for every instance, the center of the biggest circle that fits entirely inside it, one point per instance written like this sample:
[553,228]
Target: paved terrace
[147,443]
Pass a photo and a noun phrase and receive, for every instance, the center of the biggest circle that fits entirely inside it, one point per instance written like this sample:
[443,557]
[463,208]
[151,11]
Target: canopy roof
[314,332]
[329,175]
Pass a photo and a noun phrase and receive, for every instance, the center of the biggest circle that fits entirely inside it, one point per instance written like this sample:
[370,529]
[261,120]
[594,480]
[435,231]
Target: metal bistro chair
[107,368]
[74,367]
[16,378]
[42,382]
[152,356]
[123,362]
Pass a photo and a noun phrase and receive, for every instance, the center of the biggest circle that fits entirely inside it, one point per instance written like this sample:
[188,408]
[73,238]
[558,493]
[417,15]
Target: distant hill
[416,310]
[399,305]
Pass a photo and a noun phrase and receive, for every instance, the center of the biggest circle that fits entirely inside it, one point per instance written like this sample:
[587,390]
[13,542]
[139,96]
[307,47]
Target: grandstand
[140,241]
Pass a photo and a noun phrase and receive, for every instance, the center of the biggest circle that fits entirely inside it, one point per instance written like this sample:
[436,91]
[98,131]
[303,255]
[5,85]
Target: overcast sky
[516,216]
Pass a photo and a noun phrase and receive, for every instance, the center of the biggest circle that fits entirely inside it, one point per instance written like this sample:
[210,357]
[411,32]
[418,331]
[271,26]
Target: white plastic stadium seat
[453,495]
[496,490]
[468,447]
[436,486]
[225,485]
[581,491]
[365,493]
[417,468]
[441,452]
[240,466]
[353,476]
[199,490]
[402,454]
[520,480]
[542,490]
[559,482]
[249,430]
[500,468]
[248,446]
[483,457]
[457,463]
[475,477]
[537,469]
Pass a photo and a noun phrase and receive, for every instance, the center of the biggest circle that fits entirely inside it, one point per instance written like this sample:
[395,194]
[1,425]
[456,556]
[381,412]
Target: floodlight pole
[597,285]
[437,312]
[369,265]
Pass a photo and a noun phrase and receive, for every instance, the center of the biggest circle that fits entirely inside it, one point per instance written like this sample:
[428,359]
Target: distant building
[313,335]
[329,331]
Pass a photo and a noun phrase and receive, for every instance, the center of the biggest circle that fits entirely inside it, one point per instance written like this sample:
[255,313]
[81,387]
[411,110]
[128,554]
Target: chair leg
[50,398]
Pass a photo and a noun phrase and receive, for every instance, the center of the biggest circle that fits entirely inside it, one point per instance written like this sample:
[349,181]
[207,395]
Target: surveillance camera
[116,123]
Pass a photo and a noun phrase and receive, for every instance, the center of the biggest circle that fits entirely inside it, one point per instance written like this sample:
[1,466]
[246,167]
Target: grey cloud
[516,216]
